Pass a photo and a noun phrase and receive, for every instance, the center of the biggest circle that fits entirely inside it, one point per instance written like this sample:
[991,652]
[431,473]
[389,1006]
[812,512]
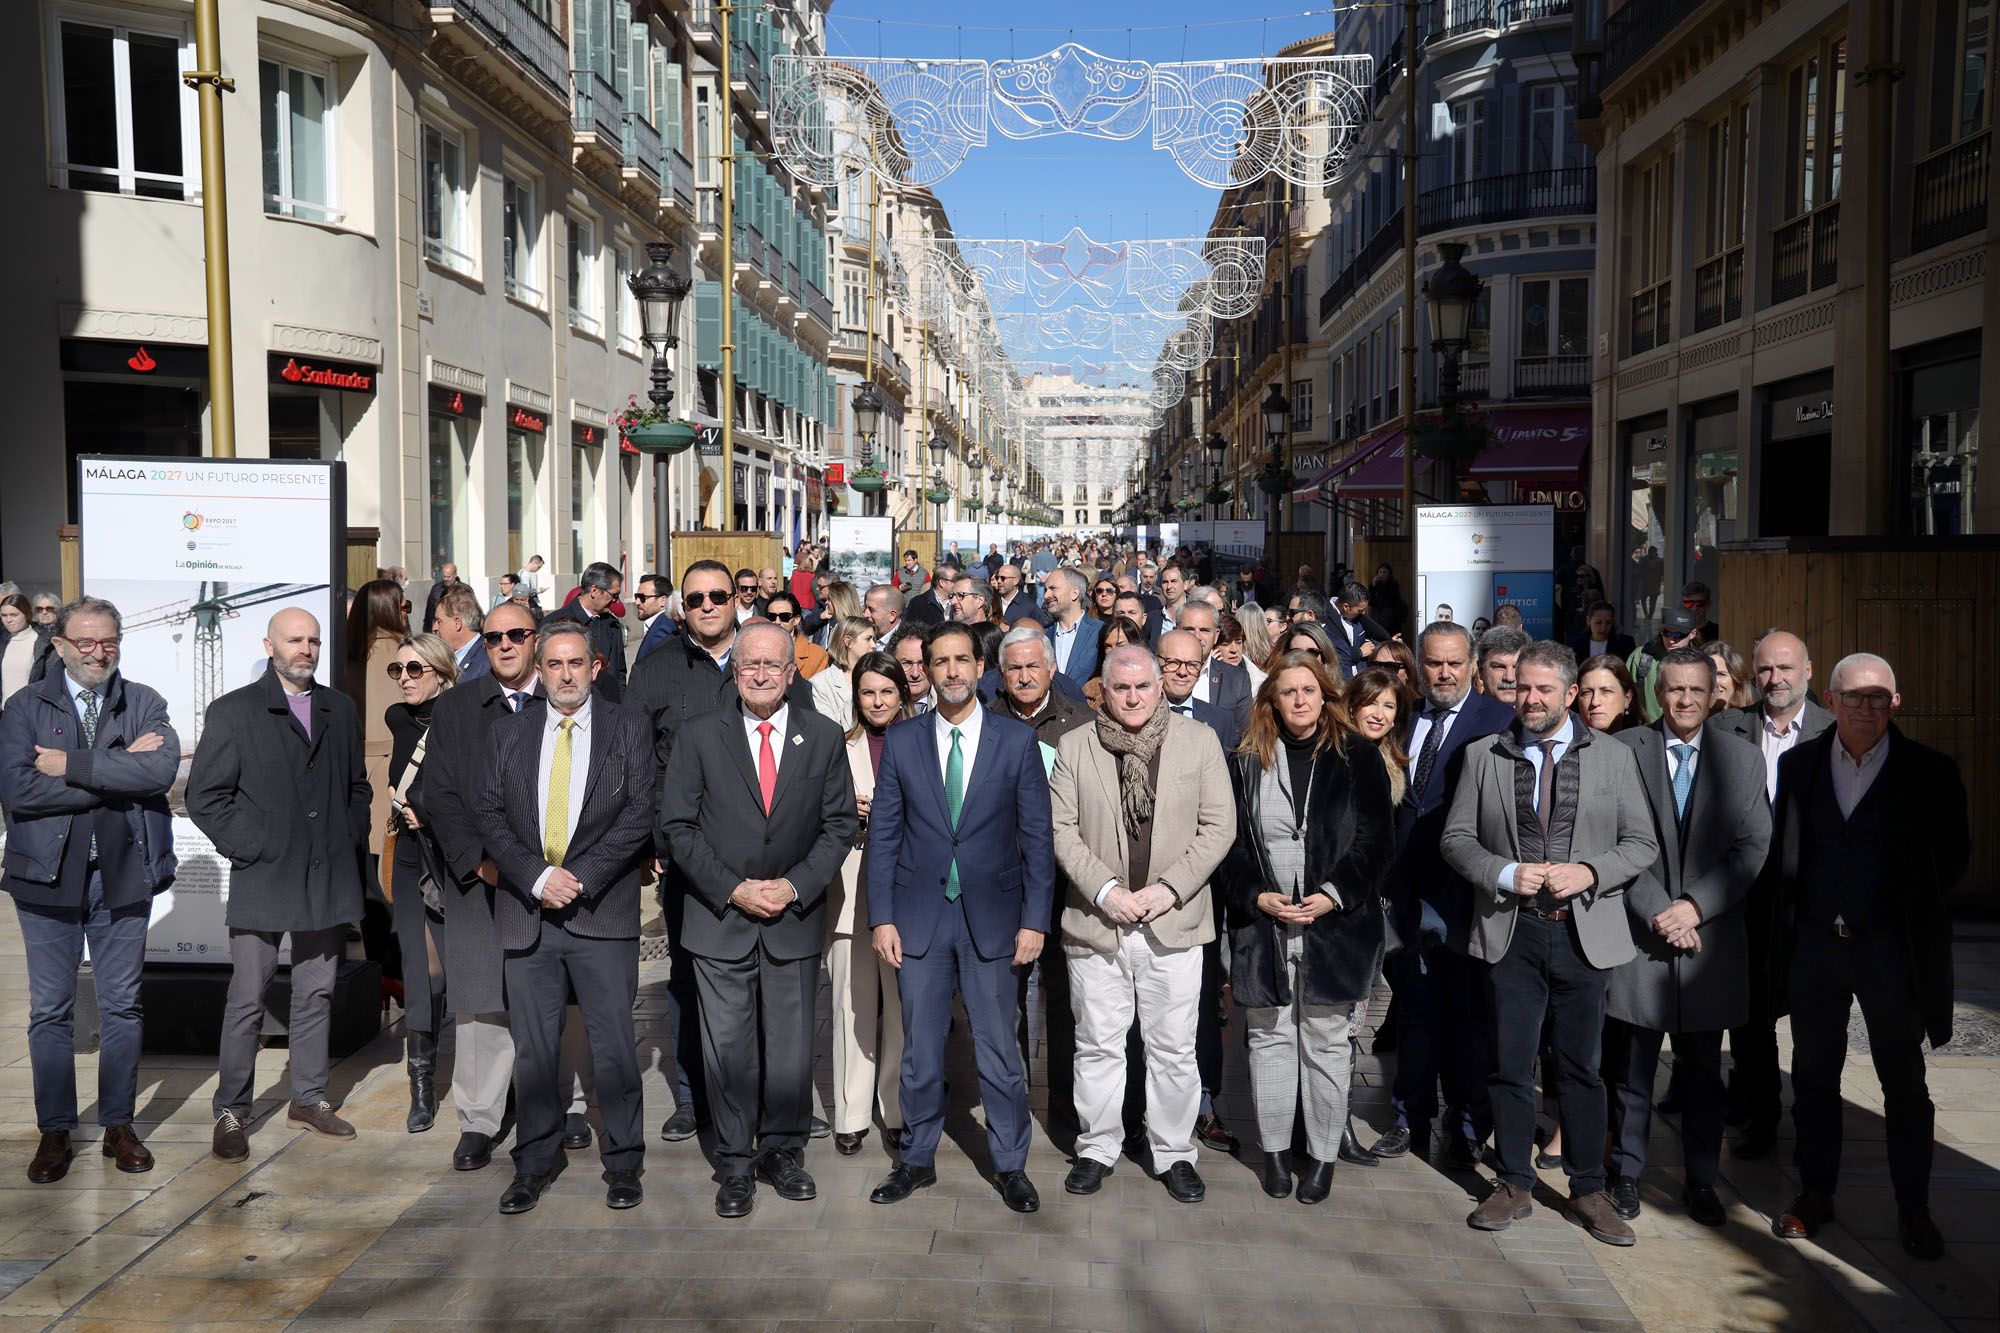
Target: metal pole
[1410,268]
[209,85]
[727,393]
[868,356]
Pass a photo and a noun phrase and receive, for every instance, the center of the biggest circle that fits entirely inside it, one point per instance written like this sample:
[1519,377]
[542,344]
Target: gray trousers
[1300,1043]
[253,956]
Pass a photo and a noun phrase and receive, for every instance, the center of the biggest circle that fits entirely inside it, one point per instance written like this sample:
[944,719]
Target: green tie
[555,820]
[954,800]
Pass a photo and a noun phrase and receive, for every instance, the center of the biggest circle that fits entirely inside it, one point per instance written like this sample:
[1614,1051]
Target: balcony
[1638,27]
[642,149]
[1951,192]
[677,183]
[703,27]
[1718,290]
[597,116]
[746,74]
[512,29]
[1485,200]
[1452,18]
[1804,253]
[1475,380]
[708,213]
[1652,317]
[1385,242]
[1551,376]
[819,307]
[1392,68]
[750,250]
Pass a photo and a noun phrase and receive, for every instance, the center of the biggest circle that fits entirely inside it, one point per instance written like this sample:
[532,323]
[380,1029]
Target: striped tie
[555,819]
[89,700]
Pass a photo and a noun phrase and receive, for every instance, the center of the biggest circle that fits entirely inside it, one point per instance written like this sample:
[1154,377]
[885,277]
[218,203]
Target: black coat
[1350,838]
[289,812]
[607,639]
[679,682]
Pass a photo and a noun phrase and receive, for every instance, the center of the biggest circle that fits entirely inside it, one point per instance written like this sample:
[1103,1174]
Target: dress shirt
[464,655]
[579,769]
[76,691]
[1853,777]
[777,720]
[1423,725]
[1564,735]
[518,699]
[1774,741]
[1063,642]
[925,703]
[1356,636]
[1201,684]
[1185,707]
[1671,740]
[968,743]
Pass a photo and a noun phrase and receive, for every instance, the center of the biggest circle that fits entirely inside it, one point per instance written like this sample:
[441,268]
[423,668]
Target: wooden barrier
[738,550]
[1931,608]
[364,562]
[69,546]
[1400,555]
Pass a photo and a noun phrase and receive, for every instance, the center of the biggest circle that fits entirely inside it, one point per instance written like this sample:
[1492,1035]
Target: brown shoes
[231,1144]
[320,1119]
[1802,1221]
[52,1158]
[1598,1215]
[1505,1206]
[121,1143]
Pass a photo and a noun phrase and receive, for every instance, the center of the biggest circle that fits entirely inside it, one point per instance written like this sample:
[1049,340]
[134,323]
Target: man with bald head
[1016,603]
[278,786]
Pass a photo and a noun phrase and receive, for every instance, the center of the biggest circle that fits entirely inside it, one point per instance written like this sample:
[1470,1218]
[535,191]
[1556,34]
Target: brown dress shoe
[1802,1221]
[52,1158]
[319,1118]
[1598,1214]
[120,1142]
[231,1144]
[1505,1206]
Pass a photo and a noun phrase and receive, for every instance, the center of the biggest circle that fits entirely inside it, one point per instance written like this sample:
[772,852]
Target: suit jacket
[1023,606]
[1420,876]
[476,665]
[1006,860]
[1156,617]
[1083,649]
[1344,648]
[1194,822]
[607,636]
[924,608]
[1710,857]
[1229,689]
[1621,646]
[1930,828]
[681,682]
[1219,720]
[1613,835]
[662,629]
[1748,723]
[610,846]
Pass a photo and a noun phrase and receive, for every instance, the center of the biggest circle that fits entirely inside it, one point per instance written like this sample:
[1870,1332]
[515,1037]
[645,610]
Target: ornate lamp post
[1450,295]
[1218,449]
[869,478]
[659,288]
[938,493]
[1276,479]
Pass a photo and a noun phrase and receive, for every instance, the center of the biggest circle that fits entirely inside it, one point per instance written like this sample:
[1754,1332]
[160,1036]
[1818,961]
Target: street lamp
[1450,296]
[867,405]
[659,288]
[1218,449]
[939,494]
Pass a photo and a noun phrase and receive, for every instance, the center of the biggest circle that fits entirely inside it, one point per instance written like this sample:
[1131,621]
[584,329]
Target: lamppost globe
[1450,294]
[1277,410]
[659,288]
[867,405]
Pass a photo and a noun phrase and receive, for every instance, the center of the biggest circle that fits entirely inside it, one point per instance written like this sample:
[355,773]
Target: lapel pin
[798,740]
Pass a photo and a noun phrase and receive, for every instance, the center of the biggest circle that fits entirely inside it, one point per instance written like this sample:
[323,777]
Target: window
[1104,517]
[1815,108]
[705,169]
[1726,149]
[1392,366]
[1651,229]
[1554,316]
[853,299]
[585,300]
[450,466]
[583,464]
[121,116]
[297,117]
[1479,330]
[520,228]
[447,233]
[1468,136]
[524,477]
[1961,70]
[1302,406]
[626,305]
[1551,128]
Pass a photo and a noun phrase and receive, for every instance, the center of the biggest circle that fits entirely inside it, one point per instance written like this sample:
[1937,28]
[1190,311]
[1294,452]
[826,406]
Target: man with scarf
[1136,854]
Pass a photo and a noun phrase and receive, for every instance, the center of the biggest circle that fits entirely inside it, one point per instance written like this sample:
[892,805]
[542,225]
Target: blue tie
[1683,754]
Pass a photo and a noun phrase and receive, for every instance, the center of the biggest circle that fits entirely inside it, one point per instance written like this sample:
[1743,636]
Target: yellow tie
[555,821]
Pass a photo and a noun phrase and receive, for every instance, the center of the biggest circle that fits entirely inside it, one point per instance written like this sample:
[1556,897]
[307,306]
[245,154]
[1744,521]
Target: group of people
[1131,793]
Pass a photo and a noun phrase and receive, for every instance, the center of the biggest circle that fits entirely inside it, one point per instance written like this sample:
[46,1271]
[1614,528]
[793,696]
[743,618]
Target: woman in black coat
[1314,834]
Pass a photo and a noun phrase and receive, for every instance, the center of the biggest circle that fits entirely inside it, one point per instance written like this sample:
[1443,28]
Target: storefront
[131,399]
[1937,443]
[1795,464]
[315,404]
[527,457]
[453,431]
[1712,482]
[1651,535]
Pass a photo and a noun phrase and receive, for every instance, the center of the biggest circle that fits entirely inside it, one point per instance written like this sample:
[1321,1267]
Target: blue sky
[1038,189]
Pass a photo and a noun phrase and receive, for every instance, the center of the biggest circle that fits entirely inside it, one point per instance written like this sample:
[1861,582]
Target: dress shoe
[820,1129]
[783,1172]
[522,1193]
[1752,1144]
[1598,1215]
[902,1181]
[121,1143]
[1212,1133]
[423,1097]
[1505,1206]
[1802,1221]
[1461,1154]
[733,1199]
[849,1144]
[1086,1177]
[1625,1197]
[1277,1174]
[623,1190]
[1017,1191]
[1315,1181]
[680,1125]
[1352,1151]
[1395,1143]
[319,1118]
[231,1144]
[1548,1161]
[1920,1236]
[896,1138]
[52,1158]
[1704,1205]
[576,1132]
[474,1151]
[1183,1183]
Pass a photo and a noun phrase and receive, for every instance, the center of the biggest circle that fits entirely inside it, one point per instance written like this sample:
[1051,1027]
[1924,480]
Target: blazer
[1006,859]
[1931,830]
[1420,877]
[1709,858]
[679,683]
[712,818]
[1194,822]
[847,897]
[1229,689]
[609,849]
[657,633]
[288,811]
[606,633]
[1350,658]
[1083,649]
[1620,646]
[924,608]
[1613,835]
[1748,723]
[1022,606]
[1219,720]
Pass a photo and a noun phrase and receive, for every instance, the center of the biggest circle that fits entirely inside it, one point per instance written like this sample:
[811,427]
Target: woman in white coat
[833,687]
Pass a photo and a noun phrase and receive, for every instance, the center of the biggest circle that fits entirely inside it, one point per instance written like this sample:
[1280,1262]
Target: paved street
[377,1232]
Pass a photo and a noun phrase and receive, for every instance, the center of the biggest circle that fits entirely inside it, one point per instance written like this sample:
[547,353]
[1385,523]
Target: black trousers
[1754,1087]
[1544,972]
[1444,1032]
[757,1050]
[1828,974]
[604,974]
[1631,1060]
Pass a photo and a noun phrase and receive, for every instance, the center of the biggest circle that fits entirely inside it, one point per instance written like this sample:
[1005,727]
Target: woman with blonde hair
[839,602]
[851,638]
[1257,644]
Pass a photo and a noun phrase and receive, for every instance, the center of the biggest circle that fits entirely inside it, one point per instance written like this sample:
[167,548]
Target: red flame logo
[291,371]
[458,402]
[141,361]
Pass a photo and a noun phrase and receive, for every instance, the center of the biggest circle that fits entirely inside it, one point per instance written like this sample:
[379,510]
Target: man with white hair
[1870,835]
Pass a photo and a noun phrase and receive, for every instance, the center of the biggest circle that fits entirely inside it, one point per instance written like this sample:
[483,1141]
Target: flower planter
[665,438]
[868,483]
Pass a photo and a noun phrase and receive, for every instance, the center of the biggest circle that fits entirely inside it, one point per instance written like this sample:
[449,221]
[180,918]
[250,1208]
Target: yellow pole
[209,85]
[1410,271]
[727,390]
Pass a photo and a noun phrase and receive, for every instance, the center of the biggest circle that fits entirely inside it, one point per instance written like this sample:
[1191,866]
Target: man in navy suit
[1443,1028]
[1351,627]
[961,882]
[1073,630]
[650,601]
[458,621]
[1224,684]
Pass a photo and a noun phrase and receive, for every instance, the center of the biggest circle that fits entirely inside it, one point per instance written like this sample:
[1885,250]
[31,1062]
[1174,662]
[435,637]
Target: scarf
[1135,751]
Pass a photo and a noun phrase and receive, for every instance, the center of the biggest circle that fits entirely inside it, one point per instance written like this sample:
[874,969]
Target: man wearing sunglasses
[650,601]
[749,601]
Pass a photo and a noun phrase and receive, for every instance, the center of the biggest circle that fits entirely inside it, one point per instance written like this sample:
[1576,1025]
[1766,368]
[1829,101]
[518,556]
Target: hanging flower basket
[937,495]
[1276,481]
[1218,495]
[868,480]
[651,431]
[1451,439]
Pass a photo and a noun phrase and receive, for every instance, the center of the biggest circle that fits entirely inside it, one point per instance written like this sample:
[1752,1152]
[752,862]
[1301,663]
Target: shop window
[586,300]
[520,234]
[120,117]
[1939,445]
[524,484]
[584,461]
[1713,483]
[1648,551]
[296,112]
[447,200]
[450,477]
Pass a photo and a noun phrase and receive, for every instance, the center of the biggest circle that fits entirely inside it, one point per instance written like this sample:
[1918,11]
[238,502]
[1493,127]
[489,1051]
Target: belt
[1559,914]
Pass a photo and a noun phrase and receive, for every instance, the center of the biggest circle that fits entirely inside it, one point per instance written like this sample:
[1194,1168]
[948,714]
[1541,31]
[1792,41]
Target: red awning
[1544,447]
[1317,487]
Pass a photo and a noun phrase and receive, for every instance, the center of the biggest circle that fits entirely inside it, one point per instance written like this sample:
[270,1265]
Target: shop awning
[1545,447]
[1320,487]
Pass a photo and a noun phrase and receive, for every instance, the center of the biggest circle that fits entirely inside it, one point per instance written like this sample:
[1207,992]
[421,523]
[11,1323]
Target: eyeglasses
[714,597]
[783,617]
[748,668]
[89,646]
[516,635]
[1178,664]
[48,611]
[414,670]
[1873,700]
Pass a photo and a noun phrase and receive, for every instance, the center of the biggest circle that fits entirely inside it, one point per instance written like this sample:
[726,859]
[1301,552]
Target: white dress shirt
[1202,689]
[1564,735]
[1853,777]
[968,743]
[579,769]
[1596,649]
[777,720]
[1774,742]
[1422,729]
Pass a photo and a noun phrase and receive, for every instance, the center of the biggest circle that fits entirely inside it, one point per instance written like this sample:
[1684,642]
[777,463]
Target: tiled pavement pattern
[381,1232]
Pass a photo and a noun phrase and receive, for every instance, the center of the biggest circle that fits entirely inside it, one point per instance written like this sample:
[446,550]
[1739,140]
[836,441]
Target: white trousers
[1163,986]
[482,1069]
[867,1067]
[1300,1043]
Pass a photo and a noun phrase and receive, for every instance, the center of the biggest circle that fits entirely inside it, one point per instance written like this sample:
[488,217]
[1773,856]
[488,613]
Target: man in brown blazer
[1143,813]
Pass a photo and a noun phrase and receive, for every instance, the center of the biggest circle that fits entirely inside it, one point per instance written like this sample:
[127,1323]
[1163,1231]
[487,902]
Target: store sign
[1565,501]
[708,441]
[323,374]
[454,402]
[520,418]
[151,361]
[1819,411]
[585,434]
[836,474]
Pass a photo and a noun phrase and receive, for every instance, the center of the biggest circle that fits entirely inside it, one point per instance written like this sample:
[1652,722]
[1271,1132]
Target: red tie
[767,765]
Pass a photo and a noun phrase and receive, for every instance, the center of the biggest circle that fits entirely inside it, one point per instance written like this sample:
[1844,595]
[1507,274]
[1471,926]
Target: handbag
[428,877]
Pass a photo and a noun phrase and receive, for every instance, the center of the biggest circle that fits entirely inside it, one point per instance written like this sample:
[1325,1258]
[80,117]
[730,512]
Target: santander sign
[324,377]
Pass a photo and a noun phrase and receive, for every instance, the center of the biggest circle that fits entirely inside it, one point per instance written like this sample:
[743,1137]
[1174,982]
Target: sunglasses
[746,587]
[784,617]
[494,636]
[414,670]
[46,610]
[716,597]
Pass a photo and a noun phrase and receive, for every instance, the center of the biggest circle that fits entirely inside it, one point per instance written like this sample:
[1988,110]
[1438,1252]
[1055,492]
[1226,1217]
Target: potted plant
[1218,495]
[868,478]
[650,430]
[937,495]
[1451,437]
[1276,479]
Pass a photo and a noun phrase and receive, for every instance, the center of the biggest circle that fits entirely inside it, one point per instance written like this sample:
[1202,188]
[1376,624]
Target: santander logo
[141,361]
[325,377]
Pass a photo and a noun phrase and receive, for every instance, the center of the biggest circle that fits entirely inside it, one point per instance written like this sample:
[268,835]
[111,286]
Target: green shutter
[670,101]
[639,73]
[708,325]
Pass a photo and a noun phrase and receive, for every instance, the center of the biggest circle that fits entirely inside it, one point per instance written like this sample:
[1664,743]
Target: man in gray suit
[1690,974]
[1550,824]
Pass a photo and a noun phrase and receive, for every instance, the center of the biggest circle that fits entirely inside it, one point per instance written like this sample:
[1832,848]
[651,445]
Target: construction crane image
[212,604]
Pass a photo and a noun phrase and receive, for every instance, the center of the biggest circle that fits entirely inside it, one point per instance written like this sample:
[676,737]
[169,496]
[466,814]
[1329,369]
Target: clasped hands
[763,897]
[1132,907]
[1302,913]
[1563,879]
[55,763]
[1677,925]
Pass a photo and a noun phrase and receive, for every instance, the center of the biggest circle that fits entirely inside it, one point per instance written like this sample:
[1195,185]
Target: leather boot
[1277,1174]
[423,1081]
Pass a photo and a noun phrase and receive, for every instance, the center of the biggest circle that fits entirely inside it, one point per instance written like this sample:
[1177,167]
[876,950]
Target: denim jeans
[53,938]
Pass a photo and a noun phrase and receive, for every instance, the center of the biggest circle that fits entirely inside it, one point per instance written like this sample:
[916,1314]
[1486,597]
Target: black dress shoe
[1212,1133]
[820,1129]
[524,1193]
[52,1158]
[1352,1151]
[1395,1143]
[576,1133]
[474,1151]
[1919,1234]
[902,1181]
[1625,1197]
[623,1190]
[1753,1143]
[849,1144]
[1017,1191]
[1277,1174]
[1086,1177]
[1461,1154]
[733,1199]
[1316,1181]
[1183,1183]
[680,1125]
[1703,1205]
[783,1172]
[896,1138]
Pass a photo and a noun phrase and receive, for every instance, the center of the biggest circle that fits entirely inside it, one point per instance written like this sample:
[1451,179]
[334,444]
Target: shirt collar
[1673,740]
[1795,727]
[76,690]
[1871,755]
[778,720]
[581,716]
[968,730]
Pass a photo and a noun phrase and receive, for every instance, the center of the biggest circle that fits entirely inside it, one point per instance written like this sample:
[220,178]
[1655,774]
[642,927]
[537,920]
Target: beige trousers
[867,1068]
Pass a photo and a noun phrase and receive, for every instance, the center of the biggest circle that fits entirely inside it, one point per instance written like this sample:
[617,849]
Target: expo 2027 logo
[191,521]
